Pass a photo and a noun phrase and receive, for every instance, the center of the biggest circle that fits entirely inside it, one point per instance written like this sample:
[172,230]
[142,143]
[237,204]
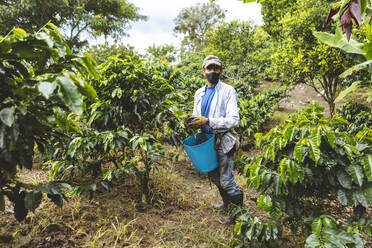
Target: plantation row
[308,163]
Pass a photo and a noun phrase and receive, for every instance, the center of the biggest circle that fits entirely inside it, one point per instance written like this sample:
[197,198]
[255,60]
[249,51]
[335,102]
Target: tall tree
[101,52]
[194,22]
[164,52]
[74,17]
[272,12]
[301,58]
[233,43]
[352,14]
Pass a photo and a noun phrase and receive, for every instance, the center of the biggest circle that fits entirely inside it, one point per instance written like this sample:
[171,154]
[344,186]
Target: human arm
[197,101]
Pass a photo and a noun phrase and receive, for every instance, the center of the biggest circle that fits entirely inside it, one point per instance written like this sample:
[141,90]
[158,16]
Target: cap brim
[212,63]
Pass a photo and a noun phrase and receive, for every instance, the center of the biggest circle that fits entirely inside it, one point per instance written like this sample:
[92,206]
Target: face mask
[212,77]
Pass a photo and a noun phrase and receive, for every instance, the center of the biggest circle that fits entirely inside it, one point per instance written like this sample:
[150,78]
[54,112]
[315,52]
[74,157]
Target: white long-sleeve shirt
[224,112]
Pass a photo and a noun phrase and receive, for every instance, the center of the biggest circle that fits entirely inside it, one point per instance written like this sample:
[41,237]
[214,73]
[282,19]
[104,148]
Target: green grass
[280,116]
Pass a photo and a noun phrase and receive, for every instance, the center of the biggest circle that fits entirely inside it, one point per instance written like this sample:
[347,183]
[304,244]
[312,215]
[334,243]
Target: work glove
[187,120]
[198,121]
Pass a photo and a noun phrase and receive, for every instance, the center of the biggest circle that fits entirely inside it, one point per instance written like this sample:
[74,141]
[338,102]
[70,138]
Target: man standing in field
[216,111]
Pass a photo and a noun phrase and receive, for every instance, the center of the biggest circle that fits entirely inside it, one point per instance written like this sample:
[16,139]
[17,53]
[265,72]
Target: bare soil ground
[302,95]
[180,216]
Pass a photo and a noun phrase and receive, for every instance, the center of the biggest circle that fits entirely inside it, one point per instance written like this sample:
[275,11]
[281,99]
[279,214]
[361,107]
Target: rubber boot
[237,200]
[225,200]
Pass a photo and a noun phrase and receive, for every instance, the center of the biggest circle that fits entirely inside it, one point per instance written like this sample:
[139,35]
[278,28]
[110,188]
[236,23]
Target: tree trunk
[330,87]
[145,178]
[332,107]
[145,187]
[333,84]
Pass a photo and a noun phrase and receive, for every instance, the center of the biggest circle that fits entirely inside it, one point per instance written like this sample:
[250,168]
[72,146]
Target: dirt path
[181,216]
[302,95]
[299,97]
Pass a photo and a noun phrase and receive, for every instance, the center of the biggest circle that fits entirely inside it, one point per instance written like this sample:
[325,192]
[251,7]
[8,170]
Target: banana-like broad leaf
[368,49]
[346,91]
[356,68]
[339,41]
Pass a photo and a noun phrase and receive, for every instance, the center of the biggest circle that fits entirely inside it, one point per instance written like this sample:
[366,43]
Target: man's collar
[218,86]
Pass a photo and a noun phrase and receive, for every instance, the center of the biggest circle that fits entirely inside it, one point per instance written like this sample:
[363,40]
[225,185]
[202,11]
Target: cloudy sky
[158,29]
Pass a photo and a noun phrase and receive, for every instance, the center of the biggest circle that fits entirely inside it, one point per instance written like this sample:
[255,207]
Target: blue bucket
[200,149]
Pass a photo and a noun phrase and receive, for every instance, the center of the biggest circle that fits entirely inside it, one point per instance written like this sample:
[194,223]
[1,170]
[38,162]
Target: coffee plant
[138,107]
[40,76]
[358,115]
[252,231]
[326,233]
[256,110]
[308,161]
